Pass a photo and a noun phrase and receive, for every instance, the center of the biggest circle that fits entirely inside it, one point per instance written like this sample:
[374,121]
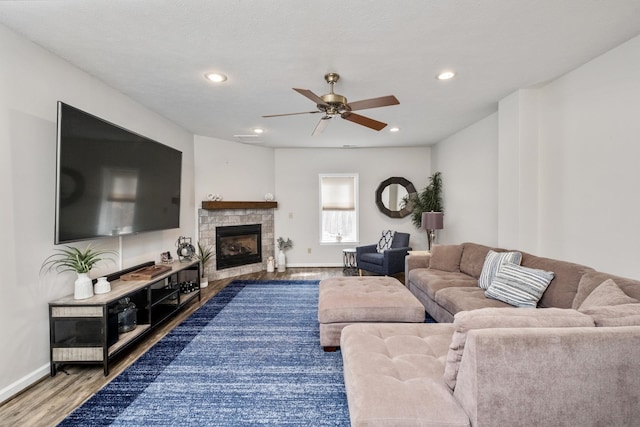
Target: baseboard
[318,265]
[16,387]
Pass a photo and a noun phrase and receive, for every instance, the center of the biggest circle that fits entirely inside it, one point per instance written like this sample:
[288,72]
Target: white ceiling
[157,52]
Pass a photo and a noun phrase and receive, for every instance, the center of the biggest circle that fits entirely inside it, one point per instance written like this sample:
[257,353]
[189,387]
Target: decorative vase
[83,287]
[102,286]
[282,261]
[270,265]
[204,282]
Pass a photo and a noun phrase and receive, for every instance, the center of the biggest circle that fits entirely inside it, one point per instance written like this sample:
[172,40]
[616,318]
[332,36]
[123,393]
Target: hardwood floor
[49,401]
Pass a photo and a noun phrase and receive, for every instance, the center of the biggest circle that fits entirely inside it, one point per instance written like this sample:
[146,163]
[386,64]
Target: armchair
[388,262]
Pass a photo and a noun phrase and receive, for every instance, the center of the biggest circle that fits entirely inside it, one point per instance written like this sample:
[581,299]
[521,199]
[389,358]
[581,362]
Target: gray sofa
[574,360]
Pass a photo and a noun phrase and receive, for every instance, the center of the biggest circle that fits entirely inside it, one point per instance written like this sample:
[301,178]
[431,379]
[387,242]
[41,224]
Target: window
[338,208]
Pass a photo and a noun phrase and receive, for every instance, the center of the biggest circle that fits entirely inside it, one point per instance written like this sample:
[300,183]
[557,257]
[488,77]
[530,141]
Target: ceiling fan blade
[322,124]
[382,101]
[292,114]
[364,121]
[312,96]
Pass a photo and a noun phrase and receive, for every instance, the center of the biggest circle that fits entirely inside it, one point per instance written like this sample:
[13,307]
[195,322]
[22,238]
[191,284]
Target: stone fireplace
[215,215]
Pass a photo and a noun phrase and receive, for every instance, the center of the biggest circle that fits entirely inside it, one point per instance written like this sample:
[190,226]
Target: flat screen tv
[110,181]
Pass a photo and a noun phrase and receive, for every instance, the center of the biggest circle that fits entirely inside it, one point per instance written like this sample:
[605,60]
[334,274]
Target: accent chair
[389,261]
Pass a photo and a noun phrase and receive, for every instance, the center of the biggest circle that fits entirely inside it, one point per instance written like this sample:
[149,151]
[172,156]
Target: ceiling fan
[333,104]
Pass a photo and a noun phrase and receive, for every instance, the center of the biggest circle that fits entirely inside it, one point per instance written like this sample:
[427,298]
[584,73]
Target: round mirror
[390,195]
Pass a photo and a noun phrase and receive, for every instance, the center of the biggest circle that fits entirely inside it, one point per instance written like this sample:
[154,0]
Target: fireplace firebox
[238,245]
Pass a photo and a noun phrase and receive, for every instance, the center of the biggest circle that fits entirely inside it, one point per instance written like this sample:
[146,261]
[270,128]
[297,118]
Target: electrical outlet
[308,250]
[290,215]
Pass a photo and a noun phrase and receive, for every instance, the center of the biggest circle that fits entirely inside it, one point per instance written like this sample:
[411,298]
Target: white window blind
[338,193]
[338,208]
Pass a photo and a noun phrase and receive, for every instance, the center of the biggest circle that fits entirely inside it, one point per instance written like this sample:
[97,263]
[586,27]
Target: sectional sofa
[568,355]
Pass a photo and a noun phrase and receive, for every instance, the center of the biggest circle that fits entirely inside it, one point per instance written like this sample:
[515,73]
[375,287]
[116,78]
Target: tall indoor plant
[204,255]
[428,200]
[80,261]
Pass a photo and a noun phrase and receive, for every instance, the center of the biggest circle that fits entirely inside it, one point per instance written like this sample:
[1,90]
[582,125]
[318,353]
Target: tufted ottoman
[346,300]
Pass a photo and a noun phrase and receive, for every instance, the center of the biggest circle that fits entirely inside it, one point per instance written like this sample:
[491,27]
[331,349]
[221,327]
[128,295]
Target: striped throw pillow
[519,286]
[492,264]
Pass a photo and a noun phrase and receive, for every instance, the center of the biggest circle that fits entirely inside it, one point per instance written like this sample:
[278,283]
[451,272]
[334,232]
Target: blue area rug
[250,356]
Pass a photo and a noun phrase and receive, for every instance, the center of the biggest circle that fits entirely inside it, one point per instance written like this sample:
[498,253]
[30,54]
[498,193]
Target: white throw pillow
[492,263]
[519,286]
[385,241]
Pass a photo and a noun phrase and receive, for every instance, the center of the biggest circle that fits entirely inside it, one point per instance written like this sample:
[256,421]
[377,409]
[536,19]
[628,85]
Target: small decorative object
[102,286]
[165,257]
[270,265]
[282,259]
[126,315]
[339,237]
[268,197]
[186,251]
[69,258]
[204,255]
[214,197]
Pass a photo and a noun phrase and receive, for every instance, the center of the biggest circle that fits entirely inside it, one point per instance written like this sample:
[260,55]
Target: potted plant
[428,200]
[282,259]
[80,261]
[204,255]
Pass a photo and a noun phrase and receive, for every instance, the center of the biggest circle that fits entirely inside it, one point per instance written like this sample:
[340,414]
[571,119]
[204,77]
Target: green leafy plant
[204,255]
[284,244]
[69,258]
[428,200]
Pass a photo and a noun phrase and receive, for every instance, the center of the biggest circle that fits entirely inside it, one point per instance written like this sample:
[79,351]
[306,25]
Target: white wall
[297,193]
[589,154]
[31,82]
[238,172]
[468,162]
[567,168]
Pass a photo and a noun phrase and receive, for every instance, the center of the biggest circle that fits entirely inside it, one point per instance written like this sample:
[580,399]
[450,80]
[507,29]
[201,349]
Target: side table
[349,262]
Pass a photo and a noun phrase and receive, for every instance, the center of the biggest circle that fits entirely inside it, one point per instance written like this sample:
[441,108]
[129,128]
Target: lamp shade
[432,220]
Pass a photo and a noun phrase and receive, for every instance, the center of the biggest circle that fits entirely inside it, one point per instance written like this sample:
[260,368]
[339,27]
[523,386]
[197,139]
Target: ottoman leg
[330,348]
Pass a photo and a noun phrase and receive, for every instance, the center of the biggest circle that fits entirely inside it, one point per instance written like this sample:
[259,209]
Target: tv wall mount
[186,250]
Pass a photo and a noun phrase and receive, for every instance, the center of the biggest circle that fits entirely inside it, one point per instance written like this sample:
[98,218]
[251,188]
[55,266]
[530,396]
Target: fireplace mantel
[209,205]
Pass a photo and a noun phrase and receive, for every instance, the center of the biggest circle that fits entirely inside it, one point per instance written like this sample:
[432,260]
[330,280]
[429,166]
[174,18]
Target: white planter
[204,282]
[83,287]
[102,286]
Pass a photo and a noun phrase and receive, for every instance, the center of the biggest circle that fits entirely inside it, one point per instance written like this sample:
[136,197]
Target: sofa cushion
[492,263]
[472,260]
[446,258]
[592,279]
[607,293]
[459,299]
[393,375]
[505,318]
[519,286]
[614,315]
[563,288]
[385,241]
[430,281]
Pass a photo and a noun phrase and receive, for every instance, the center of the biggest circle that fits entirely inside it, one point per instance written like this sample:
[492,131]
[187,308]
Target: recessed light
[216,77]
[258,130]
[445,75]
[394,129]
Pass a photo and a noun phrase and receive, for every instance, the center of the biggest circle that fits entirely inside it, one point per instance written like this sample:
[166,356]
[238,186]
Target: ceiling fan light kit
[334,104]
